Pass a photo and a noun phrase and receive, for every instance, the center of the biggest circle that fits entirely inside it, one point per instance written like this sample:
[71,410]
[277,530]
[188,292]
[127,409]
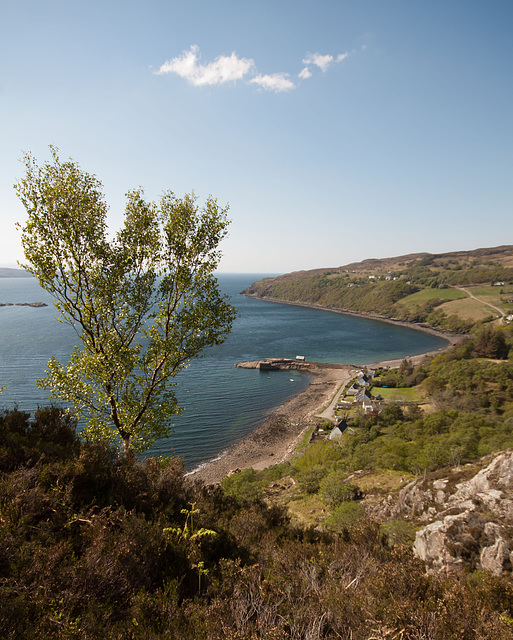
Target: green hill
[451,291]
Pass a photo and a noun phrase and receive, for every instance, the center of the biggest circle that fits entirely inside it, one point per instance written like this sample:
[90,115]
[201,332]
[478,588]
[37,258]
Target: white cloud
[223,69]
[319,60]
[274,82]
[232,68]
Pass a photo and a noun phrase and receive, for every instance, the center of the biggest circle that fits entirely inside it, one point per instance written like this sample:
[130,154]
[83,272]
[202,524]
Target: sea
[222,403]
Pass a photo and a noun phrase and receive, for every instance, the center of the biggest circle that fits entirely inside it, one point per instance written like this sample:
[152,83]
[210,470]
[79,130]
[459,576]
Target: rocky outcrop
[467,516]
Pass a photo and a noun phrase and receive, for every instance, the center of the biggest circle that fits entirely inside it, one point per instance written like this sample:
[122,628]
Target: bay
[222,403]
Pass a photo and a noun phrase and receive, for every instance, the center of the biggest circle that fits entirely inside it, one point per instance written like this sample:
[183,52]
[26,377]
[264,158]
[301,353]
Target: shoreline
[274,441]
[270,443]
[416,326]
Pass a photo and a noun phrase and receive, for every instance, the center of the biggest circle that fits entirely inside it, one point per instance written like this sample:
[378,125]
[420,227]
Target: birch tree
[143,302]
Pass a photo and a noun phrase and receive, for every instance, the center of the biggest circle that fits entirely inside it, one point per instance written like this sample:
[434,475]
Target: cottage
[335,434]
[363,394]
[353,389]
[337,431]
[367,405]
[363,381]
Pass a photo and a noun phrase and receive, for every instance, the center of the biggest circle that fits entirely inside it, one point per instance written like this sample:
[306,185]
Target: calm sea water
[223,403]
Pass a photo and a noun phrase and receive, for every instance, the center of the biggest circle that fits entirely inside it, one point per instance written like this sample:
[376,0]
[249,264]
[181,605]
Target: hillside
[451,291]
[93,546]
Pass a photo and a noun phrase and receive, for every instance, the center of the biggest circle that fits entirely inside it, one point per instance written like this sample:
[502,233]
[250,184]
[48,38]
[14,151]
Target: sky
[335,130]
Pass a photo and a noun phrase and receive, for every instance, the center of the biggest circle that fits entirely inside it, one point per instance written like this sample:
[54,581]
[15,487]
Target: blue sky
[335,130]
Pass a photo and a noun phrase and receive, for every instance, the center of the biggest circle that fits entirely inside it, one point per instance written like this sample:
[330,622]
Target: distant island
[7,272]
[23,304]
[446,291]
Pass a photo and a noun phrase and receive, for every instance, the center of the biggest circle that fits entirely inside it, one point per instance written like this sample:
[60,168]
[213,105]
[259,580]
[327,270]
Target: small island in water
[23,304]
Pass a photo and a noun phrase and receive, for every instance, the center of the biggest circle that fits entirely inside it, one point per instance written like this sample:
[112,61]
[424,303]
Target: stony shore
[267,445]
[271,442]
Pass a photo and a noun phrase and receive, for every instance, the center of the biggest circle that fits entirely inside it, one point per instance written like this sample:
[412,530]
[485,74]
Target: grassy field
[468,309]
[494,296]
[420,297]
[461,304]
[408,394]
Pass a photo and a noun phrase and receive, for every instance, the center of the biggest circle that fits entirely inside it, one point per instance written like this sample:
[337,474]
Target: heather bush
[344,516]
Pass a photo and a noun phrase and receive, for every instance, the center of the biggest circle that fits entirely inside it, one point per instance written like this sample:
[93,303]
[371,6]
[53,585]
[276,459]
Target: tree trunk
[126,446]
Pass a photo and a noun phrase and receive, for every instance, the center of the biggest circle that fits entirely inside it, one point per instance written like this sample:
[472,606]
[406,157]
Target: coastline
[271,443]
[417,326]
[268,444]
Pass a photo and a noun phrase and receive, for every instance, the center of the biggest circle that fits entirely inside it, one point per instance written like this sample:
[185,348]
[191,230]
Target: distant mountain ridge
[502,254]
[422,288]
[7,272]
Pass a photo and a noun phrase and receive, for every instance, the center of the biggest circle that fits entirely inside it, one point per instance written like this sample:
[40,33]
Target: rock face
[469,516]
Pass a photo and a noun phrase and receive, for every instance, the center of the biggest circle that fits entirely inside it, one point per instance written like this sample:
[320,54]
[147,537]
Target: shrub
[399,532]
[243,485]
[309,480]
[334,489]
[345,516]
[318,454]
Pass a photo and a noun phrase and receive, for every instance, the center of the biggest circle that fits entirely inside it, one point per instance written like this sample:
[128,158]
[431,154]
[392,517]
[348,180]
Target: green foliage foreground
[93,546]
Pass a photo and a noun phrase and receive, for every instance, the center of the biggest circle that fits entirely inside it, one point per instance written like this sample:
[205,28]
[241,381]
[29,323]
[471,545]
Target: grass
[494,296]
[468,309]
[349,410]
[493,293]
[305,440]
[461,304]
[420,297]
[381,482]
[406,394]
[307,509]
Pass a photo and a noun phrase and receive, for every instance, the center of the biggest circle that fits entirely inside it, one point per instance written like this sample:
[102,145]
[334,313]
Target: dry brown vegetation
[94,546]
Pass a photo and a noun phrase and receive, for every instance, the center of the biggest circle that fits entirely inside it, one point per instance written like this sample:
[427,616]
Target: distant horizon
[272,273]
